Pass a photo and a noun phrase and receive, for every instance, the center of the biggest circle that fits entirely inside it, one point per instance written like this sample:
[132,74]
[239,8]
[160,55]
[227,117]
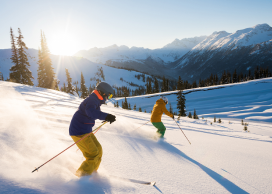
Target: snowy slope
[221,159]
[251,101]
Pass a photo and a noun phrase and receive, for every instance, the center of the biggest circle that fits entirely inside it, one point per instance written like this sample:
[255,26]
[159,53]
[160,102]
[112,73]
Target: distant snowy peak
[211,40]
[185,43]
[264,27]
[246,37]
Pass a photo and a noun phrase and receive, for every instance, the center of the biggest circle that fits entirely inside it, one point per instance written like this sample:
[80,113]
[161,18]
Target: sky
[70,26]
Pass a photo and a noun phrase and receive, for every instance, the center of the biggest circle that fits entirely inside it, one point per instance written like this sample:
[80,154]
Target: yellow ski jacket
[158,109]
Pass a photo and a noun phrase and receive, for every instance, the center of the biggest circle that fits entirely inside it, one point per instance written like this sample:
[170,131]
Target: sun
[62,44]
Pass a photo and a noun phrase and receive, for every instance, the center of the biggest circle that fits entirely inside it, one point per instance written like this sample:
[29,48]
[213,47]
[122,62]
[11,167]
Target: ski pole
[71,145]
[143,124]
[182,131]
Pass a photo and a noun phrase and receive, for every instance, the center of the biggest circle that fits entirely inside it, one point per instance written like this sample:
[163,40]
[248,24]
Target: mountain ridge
[168,53]
[242,50]
[196,58]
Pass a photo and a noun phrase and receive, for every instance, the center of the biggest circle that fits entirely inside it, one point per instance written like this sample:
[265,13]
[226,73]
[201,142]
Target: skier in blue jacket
[82,123]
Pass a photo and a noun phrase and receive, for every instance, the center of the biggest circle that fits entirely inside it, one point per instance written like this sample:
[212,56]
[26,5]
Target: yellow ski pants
[92,151]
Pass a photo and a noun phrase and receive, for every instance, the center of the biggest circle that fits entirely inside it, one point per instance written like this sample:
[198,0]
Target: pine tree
[180,85]
[76,88]
[256,73]
[117,104]
[26,74]
[140,109]
[46,75]
[148,87]
[224,78]
[57,84]
[241,77]
[211,82]
[170,108]
[190,115]
[234,77]
[125,104]
[156,86]
[70,89]
[195,115]
[181,98]
[15,74]
[91,88]
[194,85]
[102,73]
[134,108]
[20,72]
[228,77]
[1,76]
[83,88]
[200,83]
[163,88]
[181,103]
[216,79]
[249,75]
[64,87]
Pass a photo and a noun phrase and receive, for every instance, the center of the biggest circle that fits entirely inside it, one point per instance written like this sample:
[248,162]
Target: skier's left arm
[93,111]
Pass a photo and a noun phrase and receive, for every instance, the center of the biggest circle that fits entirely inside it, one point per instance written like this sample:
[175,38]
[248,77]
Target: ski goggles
[110,96]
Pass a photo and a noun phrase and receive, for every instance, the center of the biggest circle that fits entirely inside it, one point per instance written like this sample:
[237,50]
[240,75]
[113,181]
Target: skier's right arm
[167,112]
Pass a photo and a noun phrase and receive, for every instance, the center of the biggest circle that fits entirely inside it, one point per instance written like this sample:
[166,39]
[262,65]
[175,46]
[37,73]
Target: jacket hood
[160,101]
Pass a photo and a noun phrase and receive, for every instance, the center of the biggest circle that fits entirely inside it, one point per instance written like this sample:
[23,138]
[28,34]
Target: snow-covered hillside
[222,158]
[250,101]
[168,53]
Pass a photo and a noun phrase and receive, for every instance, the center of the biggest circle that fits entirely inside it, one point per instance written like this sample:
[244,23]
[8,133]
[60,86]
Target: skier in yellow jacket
[158,109]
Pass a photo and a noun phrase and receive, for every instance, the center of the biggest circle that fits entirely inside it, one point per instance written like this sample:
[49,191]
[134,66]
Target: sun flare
[62,44]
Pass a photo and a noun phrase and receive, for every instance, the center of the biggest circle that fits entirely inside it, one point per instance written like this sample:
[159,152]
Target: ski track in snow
[222,158]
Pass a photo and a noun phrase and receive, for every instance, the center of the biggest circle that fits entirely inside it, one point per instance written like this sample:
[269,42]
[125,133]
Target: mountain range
[191,58]
[194,58]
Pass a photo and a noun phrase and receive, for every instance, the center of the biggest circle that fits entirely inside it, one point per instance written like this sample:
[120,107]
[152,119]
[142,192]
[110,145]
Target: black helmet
[105,88]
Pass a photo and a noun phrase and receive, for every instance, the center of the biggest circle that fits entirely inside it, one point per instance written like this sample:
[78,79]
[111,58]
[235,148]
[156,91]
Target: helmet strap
[102,94]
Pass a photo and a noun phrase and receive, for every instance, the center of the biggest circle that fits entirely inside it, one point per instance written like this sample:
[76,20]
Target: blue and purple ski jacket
[88,111]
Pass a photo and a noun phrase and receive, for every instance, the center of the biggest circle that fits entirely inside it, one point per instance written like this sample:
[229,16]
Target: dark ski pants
[161,128]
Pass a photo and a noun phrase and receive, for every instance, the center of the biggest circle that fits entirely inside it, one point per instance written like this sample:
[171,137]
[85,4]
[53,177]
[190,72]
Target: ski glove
[110,118]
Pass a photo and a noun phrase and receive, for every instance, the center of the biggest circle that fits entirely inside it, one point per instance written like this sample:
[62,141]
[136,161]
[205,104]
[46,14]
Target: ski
[135,181]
